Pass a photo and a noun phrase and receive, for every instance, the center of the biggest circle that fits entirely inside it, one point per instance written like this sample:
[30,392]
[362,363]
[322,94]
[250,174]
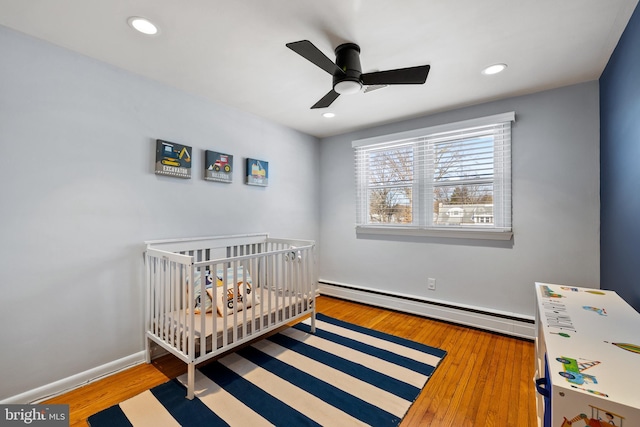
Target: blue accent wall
[620,167]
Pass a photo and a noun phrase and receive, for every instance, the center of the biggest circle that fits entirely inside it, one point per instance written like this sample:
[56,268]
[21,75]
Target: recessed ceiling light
[142,25]
[328,115]
[494,69]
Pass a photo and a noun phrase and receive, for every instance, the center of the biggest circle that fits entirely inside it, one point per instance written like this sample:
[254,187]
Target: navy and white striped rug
[342,375]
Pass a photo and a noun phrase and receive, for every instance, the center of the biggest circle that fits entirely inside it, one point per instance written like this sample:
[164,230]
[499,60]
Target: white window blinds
[450,177]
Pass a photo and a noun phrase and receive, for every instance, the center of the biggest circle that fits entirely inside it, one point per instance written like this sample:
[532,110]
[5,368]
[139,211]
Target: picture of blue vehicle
[573,371]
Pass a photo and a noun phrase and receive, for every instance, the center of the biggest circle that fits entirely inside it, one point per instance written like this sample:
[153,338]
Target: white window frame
[423,188]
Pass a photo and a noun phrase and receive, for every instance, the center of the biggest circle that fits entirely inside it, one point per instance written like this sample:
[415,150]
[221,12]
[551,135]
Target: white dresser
[588,358]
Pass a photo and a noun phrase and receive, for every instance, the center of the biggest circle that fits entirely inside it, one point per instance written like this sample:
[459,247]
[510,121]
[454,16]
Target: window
[452,180]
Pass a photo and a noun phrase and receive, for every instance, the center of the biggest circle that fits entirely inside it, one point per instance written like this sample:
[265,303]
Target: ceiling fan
[347,71]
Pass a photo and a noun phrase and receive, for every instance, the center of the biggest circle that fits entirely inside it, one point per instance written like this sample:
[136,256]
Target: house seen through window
[450,177]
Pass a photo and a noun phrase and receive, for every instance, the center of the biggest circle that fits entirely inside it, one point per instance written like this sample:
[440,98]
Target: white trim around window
[451,180]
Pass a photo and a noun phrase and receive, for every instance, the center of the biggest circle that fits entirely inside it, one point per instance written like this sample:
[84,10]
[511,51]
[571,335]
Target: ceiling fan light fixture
[494,69]
[347,87]
[142,25]
[328,115]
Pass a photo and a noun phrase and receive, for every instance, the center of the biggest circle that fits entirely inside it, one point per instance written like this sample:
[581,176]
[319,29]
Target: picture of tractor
[599,418]
[222,163]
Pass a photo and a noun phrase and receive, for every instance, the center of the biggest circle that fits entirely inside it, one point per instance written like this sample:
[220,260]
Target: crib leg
[191,379]
[313,321]
[147,350]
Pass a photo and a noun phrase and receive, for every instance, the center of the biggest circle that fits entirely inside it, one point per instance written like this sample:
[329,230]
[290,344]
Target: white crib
[208,295]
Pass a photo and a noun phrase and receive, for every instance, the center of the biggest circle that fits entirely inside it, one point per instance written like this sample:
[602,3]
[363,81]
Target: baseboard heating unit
[505,323]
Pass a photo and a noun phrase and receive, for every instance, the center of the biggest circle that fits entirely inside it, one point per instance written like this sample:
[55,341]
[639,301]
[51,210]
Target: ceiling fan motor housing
[348,60]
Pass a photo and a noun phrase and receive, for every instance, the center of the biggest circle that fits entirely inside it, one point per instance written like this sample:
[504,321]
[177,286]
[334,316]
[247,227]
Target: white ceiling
[233,52]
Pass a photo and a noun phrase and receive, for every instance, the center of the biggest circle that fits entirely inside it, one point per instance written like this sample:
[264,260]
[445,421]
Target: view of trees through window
[458,173]
[391,185]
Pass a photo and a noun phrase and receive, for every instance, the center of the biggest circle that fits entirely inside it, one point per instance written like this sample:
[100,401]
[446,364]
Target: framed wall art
[218,166]
[173,159]
[257,172]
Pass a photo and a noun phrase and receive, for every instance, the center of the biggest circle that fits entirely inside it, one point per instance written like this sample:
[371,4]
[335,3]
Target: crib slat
[182,315]
[279,276]
[166,272]
[214,318]
[254,290]
[203,311]
[269,281]
[234,266]
[225,310]
[243,291]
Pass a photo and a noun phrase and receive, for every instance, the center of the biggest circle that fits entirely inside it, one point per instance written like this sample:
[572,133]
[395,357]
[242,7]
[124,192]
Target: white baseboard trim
[517,325]
[66,384]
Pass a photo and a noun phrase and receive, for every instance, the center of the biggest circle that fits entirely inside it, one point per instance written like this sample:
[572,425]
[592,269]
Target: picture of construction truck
[174,154]
[173,159]
[231,298]
[257,172]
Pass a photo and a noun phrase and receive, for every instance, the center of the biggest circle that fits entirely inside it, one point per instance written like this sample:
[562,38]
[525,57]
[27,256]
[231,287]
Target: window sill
[485,234]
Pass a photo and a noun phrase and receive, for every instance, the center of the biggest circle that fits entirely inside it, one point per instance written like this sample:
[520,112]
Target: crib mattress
[272,310]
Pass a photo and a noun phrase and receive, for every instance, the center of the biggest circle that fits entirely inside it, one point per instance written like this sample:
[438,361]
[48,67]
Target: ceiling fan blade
[307,50]
[326,100]
[401,76]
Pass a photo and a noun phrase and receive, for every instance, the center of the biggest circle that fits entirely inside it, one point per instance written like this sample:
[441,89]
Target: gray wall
[555,164]
[79,197]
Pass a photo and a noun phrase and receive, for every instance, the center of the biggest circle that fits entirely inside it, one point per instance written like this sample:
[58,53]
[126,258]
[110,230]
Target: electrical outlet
[431,284]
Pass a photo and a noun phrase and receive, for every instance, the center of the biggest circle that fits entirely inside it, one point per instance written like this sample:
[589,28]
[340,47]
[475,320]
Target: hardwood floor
[485,380]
